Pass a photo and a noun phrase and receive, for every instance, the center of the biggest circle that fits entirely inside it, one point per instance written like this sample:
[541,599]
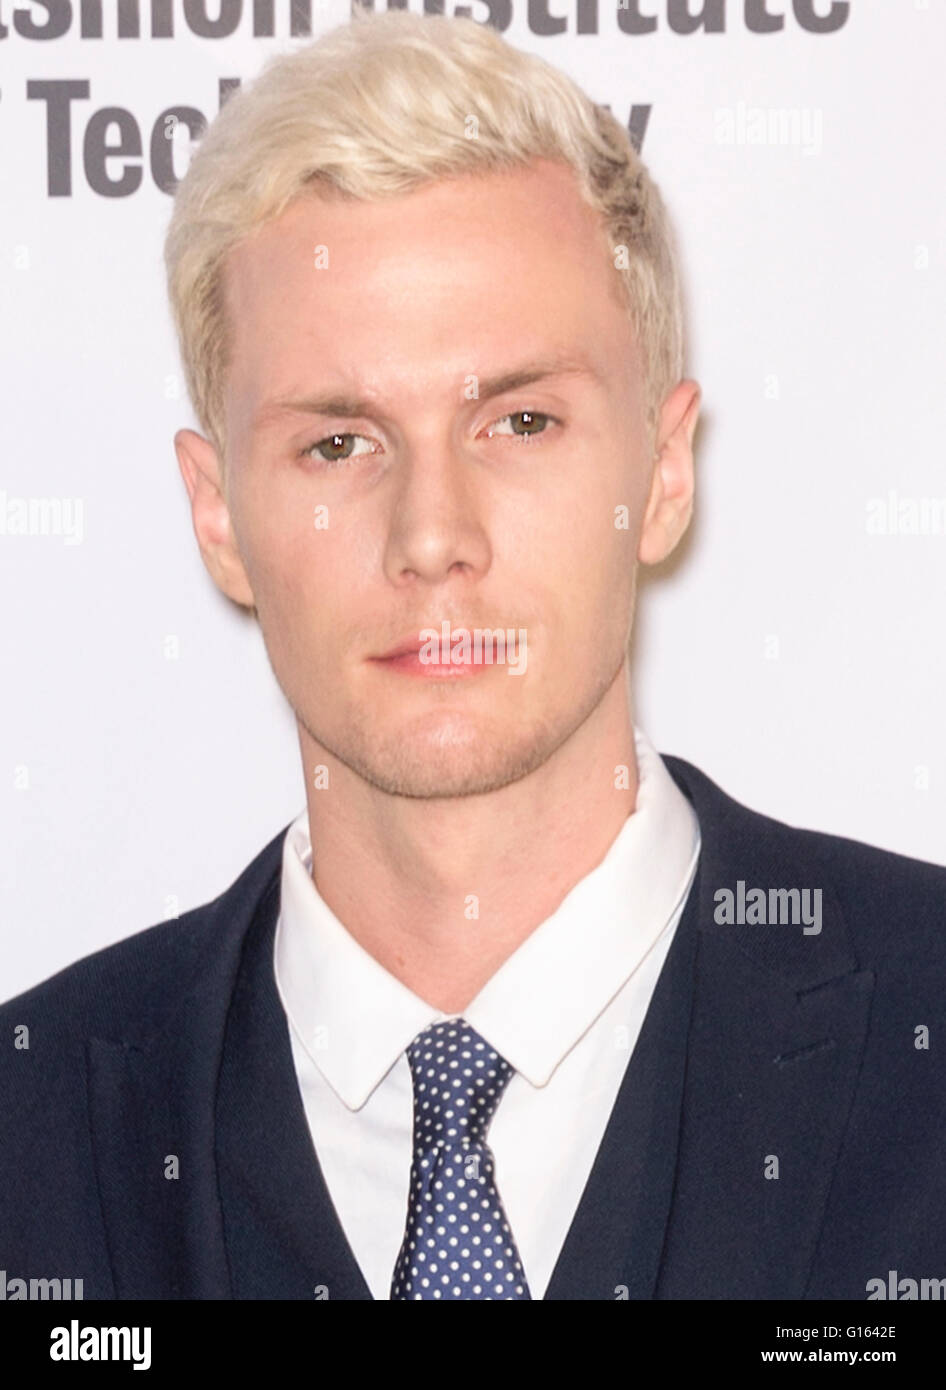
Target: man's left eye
[533,422]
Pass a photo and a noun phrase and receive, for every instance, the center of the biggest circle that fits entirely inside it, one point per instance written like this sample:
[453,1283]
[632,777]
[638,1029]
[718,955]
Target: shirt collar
[355,1019]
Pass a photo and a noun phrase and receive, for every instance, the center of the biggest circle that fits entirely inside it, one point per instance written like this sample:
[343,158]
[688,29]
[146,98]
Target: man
[516,1008]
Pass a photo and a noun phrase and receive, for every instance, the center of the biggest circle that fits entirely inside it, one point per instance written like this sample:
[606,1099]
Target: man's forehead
[379,312]
[523,213]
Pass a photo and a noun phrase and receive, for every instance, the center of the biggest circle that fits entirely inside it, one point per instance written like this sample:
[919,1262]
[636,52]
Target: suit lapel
[748,1055]
[208,1181]
[283,1237]
[156,1184]
[776,1038]
[151,1101]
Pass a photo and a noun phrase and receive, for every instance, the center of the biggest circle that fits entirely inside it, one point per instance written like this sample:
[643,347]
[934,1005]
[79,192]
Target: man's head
[387,224]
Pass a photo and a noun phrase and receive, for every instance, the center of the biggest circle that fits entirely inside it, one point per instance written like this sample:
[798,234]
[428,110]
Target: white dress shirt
[565,1010]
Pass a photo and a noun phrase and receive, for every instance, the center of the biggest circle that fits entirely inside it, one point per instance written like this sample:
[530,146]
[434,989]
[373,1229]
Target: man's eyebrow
[334,403]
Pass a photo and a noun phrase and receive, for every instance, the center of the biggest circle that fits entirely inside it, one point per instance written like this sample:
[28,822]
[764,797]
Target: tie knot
[458,1082]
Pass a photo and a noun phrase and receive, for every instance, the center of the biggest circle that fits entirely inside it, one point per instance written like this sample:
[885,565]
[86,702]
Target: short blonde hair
[375,108]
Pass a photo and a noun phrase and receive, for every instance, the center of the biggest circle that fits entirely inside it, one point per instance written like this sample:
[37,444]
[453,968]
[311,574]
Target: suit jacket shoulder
[136,1028]
[890,902]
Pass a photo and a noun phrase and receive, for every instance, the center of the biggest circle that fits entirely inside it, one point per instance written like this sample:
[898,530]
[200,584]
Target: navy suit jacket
[780,1131]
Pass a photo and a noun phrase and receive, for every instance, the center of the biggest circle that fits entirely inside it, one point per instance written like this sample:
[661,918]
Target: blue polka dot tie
[457,1242]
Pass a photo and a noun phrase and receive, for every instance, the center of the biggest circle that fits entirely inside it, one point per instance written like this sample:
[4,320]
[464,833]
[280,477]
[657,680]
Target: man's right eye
[334,449]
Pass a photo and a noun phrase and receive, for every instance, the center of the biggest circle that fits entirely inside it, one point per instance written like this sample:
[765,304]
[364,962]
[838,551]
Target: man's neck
[442,892]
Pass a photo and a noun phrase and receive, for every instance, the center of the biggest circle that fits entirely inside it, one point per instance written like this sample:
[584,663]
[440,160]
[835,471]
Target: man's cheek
[292,559]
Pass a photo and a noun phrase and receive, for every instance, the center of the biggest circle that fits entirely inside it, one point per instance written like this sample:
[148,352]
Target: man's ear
[203,477]
[670,504]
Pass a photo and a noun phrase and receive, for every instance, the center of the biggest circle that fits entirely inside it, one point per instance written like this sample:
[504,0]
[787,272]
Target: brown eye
[335,448]
[532,422]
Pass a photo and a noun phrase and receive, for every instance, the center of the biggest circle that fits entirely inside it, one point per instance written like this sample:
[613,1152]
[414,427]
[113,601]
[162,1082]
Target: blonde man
[515,1008]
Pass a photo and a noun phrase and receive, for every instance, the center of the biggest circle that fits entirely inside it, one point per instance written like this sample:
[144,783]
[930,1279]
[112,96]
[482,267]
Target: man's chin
[446,762]
[425,783]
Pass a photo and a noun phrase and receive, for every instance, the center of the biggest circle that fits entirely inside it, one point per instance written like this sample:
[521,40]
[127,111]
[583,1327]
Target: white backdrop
[794,651]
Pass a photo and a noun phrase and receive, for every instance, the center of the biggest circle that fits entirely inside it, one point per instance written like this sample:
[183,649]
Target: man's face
[412,494]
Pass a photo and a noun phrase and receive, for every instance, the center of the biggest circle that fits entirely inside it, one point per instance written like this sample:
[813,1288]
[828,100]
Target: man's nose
[438,523]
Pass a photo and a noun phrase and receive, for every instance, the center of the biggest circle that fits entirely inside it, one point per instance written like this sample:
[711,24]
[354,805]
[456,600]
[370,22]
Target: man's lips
[411,644]
[410,664]
[405,657]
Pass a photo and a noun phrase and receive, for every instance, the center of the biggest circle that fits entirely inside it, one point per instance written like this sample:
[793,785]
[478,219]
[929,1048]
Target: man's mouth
[416,656]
